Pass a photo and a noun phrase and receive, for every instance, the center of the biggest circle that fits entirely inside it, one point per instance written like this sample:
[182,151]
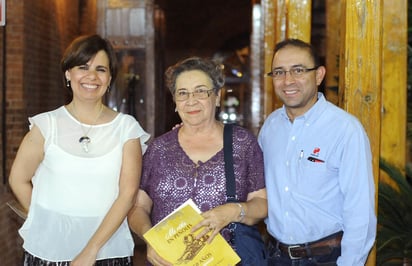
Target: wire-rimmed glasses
[199,93]
[295,72]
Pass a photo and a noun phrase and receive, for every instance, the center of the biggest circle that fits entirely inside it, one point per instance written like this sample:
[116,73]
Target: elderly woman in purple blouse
[188,162]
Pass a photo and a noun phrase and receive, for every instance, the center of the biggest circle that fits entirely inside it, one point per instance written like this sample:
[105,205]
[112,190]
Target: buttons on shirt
[286,189]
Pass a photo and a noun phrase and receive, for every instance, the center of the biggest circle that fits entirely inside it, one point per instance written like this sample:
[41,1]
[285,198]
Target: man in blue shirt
[318,169]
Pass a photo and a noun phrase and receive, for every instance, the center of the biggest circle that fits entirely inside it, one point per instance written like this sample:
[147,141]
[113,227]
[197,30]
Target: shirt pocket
[314,178]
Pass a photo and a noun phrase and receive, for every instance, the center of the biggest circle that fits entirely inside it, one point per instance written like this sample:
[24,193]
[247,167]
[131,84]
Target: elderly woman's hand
[216,219]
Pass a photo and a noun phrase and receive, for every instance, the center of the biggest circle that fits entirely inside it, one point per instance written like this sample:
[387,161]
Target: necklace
[85,139]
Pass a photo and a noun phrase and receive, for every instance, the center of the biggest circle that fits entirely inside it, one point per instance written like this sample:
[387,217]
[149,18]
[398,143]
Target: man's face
[297,92]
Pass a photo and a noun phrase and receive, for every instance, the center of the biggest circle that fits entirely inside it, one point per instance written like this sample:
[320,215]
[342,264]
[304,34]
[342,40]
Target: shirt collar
[313,113]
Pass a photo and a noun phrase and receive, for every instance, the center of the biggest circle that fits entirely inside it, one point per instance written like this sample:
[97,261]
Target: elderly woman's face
[195,99]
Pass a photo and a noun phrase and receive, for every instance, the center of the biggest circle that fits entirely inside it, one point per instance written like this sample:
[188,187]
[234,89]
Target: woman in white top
[78,169]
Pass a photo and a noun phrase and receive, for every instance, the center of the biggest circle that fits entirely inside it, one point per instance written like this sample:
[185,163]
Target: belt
[320,247]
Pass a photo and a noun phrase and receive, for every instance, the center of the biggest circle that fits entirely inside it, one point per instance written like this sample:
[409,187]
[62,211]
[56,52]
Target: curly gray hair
[210,67]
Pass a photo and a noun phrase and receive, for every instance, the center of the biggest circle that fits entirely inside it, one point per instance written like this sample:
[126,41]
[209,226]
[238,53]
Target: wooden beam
[270,35]
[360,79]
[299,19]
[332,24]
[282,19]
[394,79]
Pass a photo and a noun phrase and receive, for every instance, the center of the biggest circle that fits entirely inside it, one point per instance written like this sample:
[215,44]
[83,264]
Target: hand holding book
[173,239]
[215,220]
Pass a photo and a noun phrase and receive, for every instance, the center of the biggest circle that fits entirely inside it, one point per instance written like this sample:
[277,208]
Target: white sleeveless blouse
[73,190]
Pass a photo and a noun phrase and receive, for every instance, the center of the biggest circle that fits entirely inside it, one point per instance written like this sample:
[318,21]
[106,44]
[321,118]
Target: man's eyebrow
[298,65]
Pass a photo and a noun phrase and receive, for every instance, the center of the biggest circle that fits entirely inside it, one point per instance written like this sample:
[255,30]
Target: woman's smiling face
[91,80]
[195,111]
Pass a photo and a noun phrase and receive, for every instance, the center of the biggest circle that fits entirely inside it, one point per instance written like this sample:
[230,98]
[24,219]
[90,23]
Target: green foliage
[394,236]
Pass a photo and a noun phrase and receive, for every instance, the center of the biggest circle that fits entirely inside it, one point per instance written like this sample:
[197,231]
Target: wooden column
[360,79]
[332,23]
[299,19]
[282,19]
[270,35]
[394,78]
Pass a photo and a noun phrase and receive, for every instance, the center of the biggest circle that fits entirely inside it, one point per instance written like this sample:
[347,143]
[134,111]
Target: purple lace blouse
[170,177]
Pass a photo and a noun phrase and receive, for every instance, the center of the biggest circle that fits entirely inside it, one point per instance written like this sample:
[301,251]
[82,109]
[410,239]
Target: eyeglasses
[295,72]
[201,92]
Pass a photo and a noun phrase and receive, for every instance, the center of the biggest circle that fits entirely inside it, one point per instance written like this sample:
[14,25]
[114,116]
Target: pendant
[84,141]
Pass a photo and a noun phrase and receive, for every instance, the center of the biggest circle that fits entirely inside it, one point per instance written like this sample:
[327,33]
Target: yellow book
[172,239]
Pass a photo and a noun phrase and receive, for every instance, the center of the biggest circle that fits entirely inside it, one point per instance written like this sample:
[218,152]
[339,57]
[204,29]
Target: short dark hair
[210,67]
[84,48]
[299,44]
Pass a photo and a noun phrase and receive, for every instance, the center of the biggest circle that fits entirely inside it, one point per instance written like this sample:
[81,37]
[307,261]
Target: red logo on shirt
[315,154]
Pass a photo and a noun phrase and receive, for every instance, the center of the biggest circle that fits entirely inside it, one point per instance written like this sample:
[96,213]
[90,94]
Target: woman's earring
[175,109]
[108,89]
[68,83]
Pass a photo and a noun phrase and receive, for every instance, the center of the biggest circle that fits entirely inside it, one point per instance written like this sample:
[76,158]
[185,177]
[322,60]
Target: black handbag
[247,239]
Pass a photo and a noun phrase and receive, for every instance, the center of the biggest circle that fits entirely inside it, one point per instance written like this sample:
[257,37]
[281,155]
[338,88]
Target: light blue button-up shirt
[319,179]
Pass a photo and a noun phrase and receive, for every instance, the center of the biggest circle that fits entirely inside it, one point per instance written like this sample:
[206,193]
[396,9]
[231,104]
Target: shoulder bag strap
[228,155]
